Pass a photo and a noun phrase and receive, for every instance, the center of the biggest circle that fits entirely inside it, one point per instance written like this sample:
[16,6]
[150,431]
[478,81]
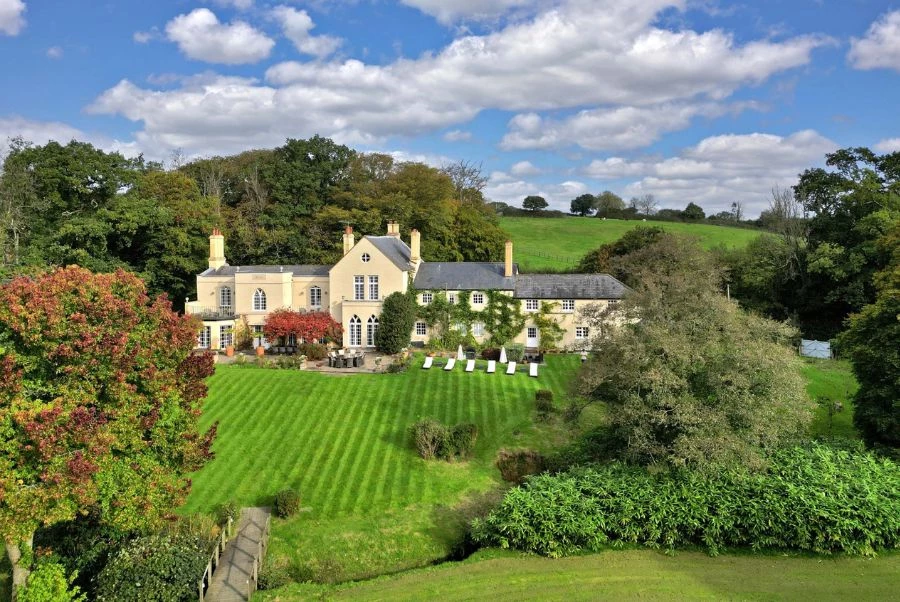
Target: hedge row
[814,498]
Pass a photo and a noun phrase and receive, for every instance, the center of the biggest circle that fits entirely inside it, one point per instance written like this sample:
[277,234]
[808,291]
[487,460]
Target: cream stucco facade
[230,298]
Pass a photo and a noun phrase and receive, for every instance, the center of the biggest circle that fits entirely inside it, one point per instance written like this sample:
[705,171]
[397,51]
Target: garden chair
[532,369]
[450,363]
[428,363]
[511,368]
[470,365]
[492,366]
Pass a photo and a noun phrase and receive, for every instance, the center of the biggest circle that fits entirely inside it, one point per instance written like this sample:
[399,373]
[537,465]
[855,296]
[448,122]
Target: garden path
[231,579]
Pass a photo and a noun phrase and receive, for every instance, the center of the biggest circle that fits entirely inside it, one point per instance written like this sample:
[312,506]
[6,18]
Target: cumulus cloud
[12,16]
[888,145]
[505,188]
[720,169]
[880,47]
[457,136]
[545,62]
[524,168]
[296,25]
[42,132]
[238,4]
[201,36]
[467,10]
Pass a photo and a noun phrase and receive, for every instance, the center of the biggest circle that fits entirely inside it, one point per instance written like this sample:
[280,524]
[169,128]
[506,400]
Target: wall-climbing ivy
[502,317]
[551,333]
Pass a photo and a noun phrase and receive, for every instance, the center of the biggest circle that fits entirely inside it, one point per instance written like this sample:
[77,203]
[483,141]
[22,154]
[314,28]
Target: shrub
[430,438]
[287,503]
[515,352]
[460,442]
[543,402]
[490,353]
[49,583]
[226,510]
[398,316]
[273,576]
[398,365]
[814,498]
[517,464]
[159,568]
[314,352]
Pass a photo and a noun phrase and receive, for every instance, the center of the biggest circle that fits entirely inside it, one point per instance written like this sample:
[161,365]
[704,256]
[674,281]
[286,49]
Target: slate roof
[569,286]
[393,248]
[297,270]
[464,276]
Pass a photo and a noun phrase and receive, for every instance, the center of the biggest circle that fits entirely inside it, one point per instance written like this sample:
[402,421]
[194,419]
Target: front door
[531,340]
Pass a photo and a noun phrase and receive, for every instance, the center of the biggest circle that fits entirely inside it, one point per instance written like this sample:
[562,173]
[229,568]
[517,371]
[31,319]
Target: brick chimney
[216,249]
[507,260]
[349,240]
[415,245]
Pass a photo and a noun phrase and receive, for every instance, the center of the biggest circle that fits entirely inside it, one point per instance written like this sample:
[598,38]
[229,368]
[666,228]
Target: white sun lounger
[511,368]
[532,369]
[492,366]
[428,363]
[470,366]
[450,363]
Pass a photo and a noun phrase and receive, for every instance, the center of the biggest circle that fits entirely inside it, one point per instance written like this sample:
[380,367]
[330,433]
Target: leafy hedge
[435,440]
[814,498]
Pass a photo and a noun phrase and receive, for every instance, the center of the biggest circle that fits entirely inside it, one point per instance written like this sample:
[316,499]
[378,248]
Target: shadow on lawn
[451,523]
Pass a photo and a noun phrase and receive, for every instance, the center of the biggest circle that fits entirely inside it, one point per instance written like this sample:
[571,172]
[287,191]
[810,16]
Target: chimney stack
[349,241]
[507,260]
[216,249]
[415,245]
[393,228]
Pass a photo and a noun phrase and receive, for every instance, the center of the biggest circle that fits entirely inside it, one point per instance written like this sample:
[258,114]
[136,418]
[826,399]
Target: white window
[226,336]
[478,298]
[355,332]
[365,258]
[259,300]
[427,298]
[459,327]
[292,340]
[581,332]
[421,329]
[532,332]
[478,329]
[373,288]
[204,337]
[371,329]
[359,288]
[451,297]
[258,338]
[225,297]
[568,304]
[315,297]
[531,304]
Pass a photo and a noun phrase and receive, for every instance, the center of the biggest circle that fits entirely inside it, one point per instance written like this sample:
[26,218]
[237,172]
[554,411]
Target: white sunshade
[503,355]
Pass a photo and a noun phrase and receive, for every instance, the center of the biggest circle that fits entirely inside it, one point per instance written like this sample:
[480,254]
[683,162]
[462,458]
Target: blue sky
[689,100]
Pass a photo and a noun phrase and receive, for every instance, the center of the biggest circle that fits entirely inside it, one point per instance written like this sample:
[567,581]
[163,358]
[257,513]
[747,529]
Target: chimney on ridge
[393,228]
[216,249]
[507,260]
[349,241]
[415,245]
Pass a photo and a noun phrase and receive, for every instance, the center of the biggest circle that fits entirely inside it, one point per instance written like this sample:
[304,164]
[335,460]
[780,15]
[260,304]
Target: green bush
[225,510]
[49,583]
[398,316]
[460,442]
[273,576]
[814,498]
[543,402]
[515,352]
[430,438]
[314,352]
[158,568]
[517,464]
[287,503]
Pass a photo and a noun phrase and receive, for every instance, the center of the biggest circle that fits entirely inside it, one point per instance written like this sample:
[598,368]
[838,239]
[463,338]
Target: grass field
[834,380]
[626,575]
[559,243]
[374,506]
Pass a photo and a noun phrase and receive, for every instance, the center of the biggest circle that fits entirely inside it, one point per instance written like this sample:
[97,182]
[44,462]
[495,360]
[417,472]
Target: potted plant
[260,350]
[229,349]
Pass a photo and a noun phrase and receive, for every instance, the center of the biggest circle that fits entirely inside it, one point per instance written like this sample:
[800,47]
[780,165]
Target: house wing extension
[569,286]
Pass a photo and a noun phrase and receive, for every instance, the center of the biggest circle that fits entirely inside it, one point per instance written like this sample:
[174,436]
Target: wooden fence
[258,558]
[213,562]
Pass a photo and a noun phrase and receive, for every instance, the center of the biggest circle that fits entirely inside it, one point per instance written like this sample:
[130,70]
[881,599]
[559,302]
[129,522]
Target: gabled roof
[569,286]
[296,270]
[463,276]
[393,248]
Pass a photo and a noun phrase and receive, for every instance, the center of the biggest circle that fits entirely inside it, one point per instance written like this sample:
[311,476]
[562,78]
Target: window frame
[582,333]
[315,292]
[477,298]
[204,337]
[427,298]
[226,338]
[359,288]
[365,258]
[451,298]
[260,303]
[478,329]
[568,305]
[355,331]
[529,330]
[371,330]
[374,289]
[423,331]
[226,290]
[532,304]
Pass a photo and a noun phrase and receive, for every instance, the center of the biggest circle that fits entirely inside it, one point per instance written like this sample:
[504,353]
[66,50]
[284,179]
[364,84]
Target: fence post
[201,590]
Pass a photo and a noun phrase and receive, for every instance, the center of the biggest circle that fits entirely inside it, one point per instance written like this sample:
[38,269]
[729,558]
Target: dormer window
[365,258]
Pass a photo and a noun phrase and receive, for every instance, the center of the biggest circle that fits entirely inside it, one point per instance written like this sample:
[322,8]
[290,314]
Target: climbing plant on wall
[551,333]
[502,317]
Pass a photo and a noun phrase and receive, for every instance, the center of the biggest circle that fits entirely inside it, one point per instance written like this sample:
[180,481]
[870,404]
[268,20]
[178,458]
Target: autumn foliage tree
[100,397]
[306,326]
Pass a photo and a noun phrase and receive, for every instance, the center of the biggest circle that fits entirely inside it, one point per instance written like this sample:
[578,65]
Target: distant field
[559,243]
[626,575]
[831,379]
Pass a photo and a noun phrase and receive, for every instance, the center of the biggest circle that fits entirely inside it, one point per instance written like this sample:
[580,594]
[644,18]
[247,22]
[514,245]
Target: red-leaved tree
[100,397]
[306,326]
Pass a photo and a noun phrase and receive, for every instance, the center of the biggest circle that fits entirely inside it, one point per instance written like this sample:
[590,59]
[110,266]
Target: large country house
[230,298]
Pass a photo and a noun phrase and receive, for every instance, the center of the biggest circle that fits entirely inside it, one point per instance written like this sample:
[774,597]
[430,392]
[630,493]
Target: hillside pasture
[559,243]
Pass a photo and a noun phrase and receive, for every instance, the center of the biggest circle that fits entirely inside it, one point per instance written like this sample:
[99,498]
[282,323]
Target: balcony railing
[213,313]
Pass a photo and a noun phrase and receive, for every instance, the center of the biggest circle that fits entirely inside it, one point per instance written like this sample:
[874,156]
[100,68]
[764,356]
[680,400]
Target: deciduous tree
[306,326]
[534,203]
[582,205]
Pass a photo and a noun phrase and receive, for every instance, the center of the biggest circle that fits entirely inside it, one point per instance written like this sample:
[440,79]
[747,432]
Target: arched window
[371,329]
[259,300]
[315,297]
[225,297]
[355,332]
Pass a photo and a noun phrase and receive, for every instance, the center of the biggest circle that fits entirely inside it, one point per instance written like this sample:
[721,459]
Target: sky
[702,101]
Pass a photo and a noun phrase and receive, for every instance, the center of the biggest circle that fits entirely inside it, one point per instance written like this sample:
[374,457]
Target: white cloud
[457,136]
[238,4]
[201,36]
[12,18]
[55,52]
[888,145]
[143,37]
[542,63]
[512,191]
[467,10]
[296,25]
[720,169]
[524,168]
[42,132]
[880,47]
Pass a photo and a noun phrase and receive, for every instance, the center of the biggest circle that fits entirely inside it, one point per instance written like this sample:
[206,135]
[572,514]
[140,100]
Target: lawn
[559,243]
[373,505]
[833,380]
[626,575]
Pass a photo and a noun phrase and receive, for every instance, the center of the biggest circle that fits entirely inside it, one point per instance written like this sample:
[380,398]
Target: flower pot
[260,351]
[229,350]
